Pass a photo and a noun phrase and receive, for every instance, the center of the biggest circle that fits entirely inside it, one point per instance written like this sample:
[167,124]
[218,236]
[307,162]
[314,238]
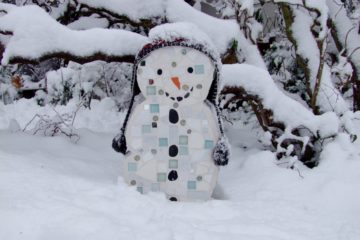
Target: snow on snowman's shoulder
[257,81]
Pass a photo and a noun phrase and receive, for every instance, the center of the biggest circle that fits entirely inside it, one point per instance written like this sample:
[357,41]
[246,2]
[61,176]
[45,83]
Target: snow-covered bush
[95,80]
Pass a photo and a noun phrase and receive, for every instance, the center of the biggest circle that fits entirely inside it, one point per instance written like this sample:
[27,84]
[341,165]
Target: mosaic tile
[185,87]
[183,140]
[173,175]
[173,199]
[155,187]
[199,69]
[173,151]
[154,108]
[146,129]
[161,177]
[173,116]
[132,167]
[140,190]
[173,163]
[191,185]
[183,150]
[209,144]
[163,142]
[151,90]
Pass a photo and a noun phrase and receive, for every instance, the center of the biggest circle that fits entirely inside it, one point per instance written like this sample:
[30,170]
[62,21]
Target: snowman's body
[172,133]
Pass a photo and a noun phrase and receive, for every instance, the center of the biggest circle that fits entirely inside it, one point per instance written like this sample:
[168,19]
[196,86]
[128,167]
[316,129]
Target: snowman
[173,140]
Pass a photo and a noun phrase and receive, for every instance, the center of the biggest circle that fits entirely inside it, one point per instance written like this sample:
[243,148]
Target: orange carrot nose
[176,81]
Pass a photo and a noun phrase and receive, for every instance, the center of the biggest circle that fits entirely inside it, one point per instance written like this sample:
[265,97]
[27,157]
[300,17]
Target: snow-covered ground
[52,188]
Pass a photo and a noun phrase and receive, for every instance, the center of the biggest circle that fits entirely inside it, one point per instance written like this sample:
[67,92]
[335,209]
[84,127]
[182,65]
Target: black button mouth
[179,98]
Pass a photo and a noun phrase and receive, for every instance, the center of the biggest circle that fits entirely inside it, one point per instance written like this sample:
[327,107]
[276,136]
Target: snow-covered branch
[37,36]
[277,113]
[86,43]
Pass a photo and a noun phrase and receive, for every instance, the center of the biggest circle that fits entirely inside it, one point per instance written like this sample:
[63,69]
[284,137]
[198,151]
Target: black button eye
[159,71]
[190,70]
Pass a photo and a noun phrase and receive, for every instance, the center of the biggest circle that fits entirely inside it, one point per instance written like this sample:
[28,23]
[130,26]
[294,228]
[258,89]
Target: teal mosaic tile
[209,144]
[163,142]
[183,140]
[183,150]
[151,90]
[140,190]
[173,163]
[155,187]
[132,167]
[161,177]
[191,185]
[199,69]
[145,129]
[154,108]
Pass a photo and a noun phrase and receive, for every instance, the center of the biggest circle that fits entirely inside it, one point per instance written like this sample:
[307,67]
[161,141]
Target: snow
[133,9]
[329,98]
[347,31]
[247,5]
[37,29]
[260,83]
[54,189]
[36,34]
[183,30]
[221,32]
[84,23]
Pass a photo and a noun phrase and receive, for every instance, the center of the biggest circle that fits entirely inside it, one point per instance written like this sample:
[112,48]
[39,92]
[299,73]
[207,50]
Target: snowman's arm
[221,152]
[119,141]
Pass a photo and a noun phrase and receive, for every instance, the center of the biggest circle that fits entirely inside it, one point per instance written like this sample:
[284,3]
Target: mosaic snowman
[173,140]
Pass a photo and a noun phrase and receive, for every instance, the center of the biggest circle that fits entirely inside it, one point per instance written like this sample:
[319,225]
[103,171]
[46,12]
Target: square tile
[161,177]
[191,185]
[163,142]
[132,167]
[154,108]
[183,140]
[183,150]
[155,187]
[209,144]
[151,90]
[173,163]
[199,69]
[140,190]
[145,129]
